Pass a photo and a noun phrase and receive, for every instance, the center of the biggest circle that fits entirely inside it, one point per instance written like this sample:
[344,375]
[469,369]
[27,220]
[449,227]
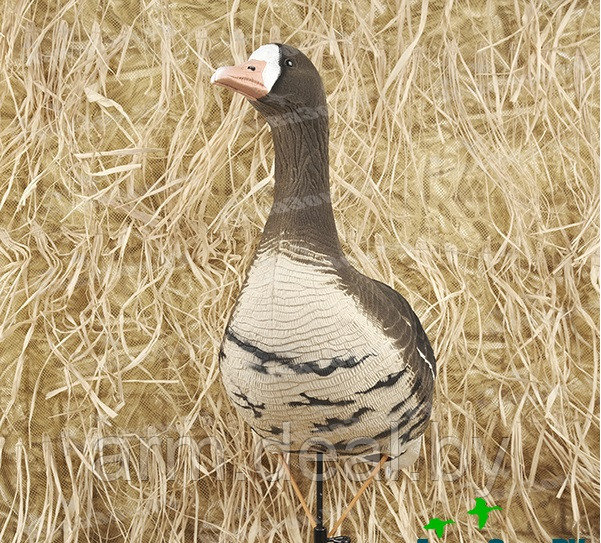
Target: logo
[481,510]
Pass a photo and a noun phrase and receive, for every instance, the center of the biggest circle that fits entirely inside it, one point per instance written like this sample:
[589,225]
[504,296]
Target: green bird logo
[482,510]
[438,525]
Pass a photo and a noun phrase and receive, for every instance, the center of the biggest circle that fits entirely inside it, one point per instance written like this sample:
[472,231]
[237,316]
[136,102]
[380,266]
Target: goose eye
[253,68]
[289,62]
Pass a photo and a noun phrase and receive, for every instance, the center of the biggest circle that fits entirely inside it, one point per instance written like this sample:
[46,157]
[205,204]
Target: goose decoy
[316,356]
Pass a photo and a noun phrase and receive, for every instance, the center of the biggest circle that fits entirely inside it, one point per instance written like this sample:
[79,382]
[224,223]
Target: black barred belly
[305,367]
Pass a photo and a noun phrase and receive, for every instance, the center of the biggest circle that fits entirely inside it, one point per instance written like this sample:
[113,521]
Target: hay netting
[464,161]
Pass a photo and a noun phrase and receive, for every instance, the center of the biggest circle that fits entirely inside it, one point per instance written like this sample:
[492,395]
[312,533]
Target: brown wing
[399,322]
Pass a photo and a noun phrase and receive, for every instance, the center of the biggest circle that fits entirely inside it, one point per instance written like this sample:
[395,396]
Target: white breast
[296,308]
[293,308]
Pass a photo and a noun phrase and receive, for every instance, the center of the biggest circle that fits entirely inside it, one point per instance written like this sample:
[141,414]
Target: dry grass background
[464,159]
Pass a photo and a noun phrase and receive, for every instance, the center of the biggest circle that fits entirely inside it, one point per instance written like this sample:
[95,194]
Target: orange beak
[245,78]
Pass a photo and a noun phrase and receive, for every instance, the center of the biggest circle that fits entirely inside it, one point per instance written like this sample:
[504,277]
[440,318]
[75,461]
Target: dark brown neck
[302,208]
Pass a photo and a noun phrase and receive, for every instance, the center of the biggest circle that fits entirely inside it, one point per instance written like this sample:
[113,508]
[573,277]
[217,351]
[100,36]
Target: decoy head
[277,79]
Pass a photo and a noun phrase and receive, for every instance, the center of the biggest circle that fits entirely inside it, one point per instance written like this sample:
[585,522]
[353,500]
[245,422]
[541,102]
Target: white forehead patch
[270,54]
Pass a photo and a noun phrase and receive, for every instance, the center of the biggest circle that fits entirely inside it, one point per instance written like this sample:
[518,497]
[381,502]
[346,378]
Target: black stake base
[320,534]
